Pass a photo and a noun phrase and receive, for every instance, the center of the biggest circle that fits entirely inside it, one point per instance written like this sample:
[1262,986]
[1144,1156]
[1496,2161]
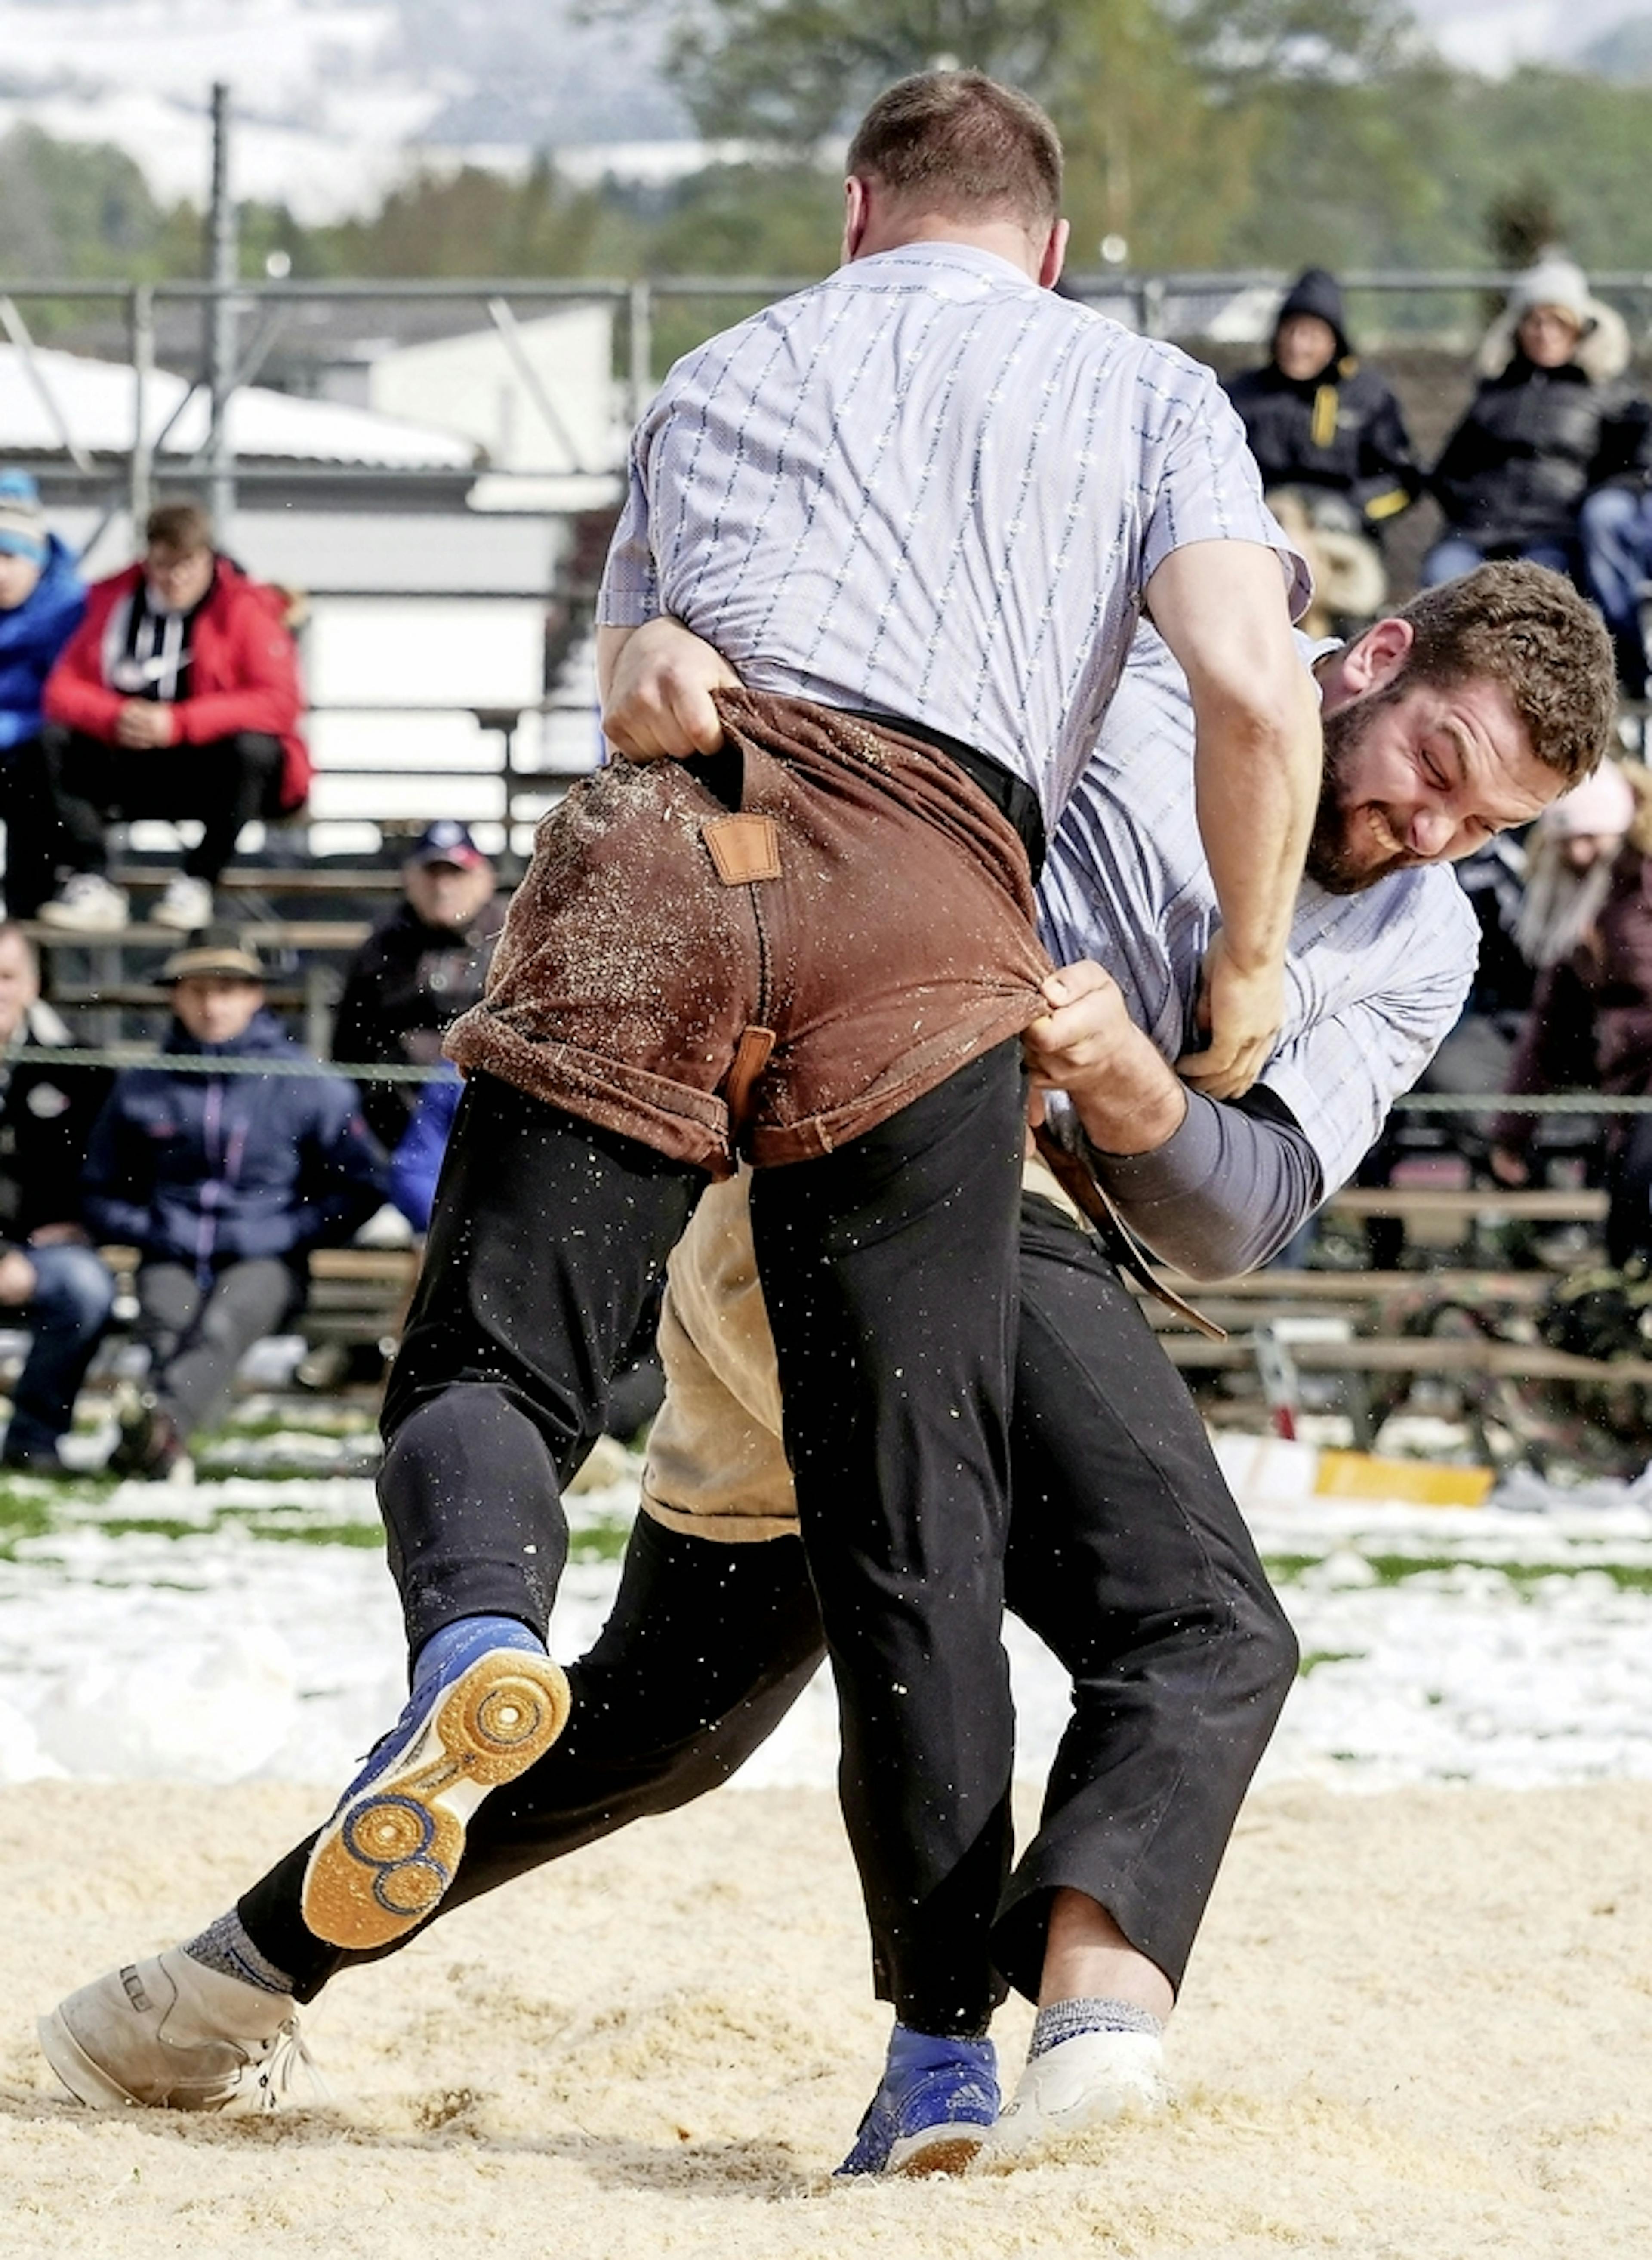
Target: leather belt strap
[751,1057]
[1081,1186]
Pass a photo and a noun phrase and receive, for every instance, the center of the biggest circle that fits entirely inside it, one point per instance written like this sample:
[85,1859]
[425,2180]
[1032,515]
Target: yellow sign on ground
[1362,1475]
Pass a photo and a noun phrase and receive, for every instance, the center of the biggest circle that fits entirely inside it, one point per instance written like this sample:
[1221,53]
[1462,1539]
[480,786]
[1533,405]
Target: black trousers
[85,783]
[889,1269]
[1126,1555]
[27,811]
[1629,1187]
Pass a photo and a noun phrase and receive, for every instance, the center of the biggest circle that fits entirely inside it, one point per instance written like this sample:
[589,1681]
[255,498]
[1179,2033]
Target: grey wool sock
[225,1946]
[1062,2020]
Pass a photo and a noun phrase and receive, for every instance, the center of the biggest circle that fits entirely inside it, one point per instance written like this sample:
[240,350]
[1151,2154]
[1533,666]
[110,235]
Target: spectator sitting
[1552,418]
[423,966]
[224,1184]
[52,1282]
[178,697]
[1331,444]
[42,604]
[1589,920]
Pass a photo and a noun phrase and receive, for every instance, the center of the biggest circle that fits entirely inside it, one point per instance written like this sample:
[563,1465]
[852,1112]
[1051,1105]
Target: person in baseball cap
[446,840]
[421,968]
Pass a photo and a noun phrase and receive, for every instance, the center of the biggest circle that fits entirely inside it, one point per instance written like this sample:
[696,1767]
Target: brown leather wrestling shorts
[773,981]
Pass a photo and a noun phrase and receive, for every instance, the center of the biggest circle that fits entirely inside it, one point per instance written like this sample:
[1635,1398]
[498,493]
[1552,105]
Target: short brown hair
[181,526]
[963,145]
[1526,628]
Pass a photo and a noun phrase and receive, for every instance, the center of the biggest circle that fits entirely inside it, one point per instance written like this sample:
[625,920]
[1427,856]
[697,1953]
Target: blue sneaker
[389,1851]
[933,2110]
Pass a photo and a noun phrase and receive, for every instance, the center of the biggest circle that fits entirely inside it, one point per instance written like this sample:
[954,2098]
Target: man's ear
[1373,660]
[856,214]
[1054,256]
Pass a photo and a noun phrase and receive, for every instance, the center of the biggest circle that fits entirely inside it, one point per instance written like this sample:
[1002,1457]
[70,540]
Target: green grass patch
[1315,1657]
[1396,1569]
[598,1542]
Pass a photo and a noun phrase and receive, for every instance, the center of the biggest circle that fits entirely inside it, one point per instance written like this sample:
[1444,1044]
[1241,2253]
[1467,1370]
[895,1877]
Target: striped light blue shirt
[1374,983]
[927,489]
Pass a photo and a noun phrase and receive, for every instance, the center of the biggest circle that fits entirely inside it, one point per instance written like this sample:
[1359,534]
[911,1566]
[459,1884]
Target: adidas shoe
[932,2111]
[393,1844]
[170,2035]
[1077,2084]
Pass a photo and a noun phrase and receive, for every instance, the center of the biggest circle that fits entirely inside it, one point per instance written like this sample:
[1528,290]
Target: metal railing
[1148,296]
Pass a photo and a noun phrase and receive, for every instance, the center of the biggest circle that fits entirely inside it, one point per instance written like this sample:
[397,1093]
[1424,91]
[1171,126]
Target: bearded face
[1356,842]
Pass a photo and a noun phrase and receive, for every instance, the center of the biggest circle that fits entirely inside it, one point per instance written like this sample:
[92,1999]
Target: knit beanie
[1601,807]
[22,520]
[1553,282]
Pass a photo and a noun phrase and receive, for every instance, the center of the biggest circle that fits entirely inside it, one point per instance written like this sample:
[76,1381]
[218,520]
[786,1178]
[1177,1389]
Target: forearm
[1256,767]
[1223,1194]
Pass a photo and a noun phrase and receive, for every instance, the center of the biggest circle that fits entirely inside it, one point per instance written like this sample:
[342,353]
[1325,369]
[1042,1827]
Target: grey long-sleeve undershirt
[1224,1193]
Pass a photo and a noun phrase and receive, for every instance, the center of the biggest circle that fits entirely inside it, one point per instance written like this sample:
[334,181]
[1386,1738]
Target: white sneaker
[1077,2084]
[186,905]
[86,904]
[170,2033]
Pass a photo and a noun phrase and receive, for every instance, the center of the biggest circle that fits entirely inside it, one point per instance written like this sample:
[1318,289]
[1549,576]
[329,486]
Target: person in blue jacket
[42,601]
[224,1184]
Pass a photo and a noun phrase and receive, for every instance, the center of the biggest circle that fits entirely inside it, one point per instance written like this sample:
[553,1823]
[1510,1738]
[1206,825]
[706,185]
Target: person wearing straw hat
[223,1178]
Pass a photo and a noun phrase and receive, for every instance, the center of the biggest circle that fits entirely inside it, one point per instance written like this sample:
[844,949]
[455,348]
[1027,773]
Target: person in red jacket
[177,697]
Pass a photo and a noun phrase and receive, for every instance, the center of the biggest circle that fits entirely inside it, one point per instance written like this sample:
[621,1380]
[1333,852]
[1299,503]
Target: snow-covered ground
[247,1626]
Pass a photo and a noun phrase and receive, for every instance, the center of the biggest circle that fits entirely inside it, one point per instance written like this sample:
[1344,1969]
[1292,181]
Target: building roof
[42,397]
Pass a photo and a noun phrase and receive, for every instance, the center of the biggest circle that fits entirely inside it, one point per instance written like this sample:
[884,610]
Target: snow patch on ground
[247,1628]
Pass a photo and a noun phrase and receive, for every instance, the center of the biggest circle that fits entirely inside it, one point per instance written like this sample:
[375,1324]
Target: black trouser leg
[78,779]
[198,1341]
[1129,1558]
[1629,1186]
[31,829]
[230,783]
[706,1648]
[888,1271]
[547,1237]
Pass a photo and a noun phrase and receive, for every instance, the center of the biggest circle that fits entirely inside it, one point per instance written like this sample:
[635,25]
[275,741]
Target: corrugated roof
[94,400]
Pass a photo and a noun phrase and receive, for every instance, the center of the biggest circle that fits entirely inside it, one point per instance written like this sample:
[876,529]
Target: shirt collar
[966,258]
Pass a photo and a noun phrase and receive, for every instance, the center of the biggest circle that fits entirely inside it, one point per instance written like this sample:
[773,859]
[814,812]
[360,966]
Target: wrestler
[1465,712]
[815,945]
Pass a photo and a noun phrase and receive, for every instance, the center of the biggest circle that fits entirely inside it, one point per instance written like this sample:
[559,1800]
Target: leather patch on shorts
[743,848]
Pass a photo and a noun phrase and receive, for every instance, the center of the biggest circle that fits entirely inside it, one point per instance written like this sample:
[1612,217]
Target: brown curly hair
[1526,628]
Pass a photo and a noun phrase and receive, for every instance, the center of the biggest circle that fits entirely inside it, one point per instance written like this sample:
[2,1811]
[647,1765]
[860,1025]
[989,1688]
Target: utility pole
[221,320]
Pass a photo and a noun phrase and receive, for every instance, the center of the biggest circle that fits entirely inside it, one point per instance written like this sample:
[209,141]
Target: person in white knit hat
[1552,419]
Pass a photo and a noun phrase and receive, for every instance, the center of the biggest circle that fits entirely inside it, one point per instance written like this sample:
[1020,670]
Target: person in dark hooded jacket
[42,601]
[1552,421]
[1316,418]
[224,1183]
[1331,443]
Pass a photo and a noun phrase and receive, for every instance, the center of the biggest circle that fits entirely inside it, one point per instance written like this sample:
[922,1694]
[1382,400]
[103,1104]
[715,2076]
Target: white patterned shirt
[1374,981]
[927,489]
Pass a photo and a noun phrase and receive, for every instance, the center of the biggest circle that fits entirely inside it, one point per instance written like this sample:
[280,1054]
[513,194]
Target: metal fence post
[141,324]
[221,320]
[642,341]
